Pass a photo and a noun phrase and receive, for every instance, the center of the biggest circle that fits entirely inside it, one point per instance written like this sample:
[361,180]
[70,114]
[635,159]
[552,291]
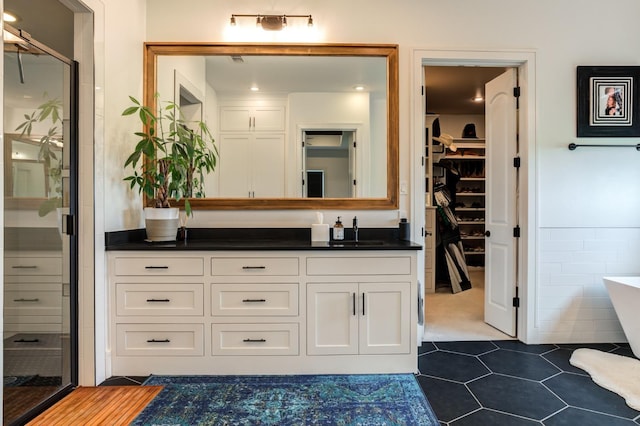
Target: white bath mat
[619,374]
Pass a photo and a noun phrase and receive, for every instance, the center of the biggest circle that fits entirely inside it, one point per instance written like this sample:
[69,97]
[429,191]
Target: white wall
[579,193]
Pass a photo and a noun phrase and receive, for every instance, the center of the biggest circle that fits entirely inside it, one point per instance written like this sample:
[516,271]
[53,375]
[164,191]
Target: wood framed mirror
[345,89]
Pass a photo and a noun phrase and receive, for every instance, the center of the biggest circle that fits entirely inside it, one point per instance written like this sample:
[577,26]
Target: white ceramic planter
[161,224]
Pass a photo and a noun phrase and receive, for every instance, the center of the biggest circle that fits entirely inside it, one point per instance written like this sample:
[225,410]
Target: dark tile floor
[509,383]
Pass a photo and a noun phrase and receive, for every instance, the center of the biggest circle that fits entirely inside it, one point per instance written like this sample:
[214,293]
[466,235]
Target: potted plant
[50,150]
[173,156]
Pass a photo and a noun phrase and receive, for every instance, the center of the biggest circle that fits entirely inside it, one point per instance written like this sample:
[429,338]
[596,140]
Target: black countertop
[245,239]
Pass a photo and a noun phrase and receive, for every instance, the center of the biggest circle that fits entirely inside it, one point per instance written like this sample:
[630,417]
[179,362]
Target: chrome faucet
[355,228]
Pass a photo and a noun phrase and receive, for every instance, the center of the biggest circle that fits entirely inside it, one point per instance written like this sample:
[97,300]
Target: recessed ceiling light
[358,87]
[9,17]
[254,88]
[478,99]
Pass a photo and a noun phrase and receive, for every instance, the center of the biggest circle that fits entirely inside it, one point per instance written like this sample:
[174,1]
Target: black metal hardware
[516,162]
[69,224]
[254,300]
[26,341]
[156,267]
[26,300]
[487,233]
[516,92]
[158,300]
[254,340]
[24,267]
[254,267]
[158,341]
[516,302]
[516,232]
[353,297]
[362,303]
[573,146]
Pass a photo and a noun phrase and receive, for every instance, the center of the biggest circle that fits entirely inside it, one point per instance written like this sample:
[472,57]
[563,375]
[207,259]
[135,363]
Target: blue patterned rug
[363,400]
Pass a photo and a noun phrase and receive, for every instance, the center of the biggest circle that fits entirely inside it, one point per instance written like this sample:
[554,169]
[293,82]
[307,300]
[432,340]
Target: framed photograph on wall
[608,101]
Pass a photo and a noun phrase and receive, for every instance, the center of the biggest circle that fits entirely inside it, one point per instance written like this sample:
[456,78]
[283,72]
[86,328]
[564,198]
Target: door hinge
[422,232]
[354,144]
[422,161]
[302,182]
[516,162]
[422,90]
[303,144]
[354,182]
[516,92]
[516,302]
[516,232]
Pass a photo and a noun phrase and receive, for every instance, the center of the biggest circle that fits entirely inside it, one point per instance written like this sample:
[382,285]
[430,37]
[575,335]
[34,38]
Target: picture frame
[607,101]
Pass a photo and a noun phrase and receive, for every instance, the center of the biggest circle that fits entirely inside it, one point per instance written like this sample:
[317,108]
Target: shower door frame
[70,226]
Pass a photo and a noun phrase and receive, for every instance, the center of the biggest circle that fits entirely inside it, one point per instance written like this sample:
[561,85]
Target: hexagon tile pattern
[509,383]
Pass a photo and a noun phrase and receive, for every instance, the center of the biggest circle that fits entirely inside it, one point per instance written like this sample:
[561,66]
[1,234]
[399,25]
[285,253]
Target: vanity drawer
[33,301]
[154,266]
[254,266]
[159,299]
[400,265]
[254,339]
[32,266]
[264,299]
[160,339]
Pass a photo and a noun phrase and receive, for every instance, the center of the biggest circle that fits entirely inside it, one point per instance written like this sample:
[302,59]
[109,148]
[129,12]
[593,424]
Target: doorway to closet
[470,126]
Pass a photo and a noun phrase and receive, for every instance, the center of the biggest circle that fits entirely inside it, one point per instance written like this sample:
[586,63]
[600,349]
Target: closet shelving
[469,160]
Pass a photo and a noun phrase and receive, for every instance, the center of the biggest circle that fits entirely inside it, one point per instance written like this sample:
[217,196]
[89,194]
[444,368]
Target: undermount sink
[356,243]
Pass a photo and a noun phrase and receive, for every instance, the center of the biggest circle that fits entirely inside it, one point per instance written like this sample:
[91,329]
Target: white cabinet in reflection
[252,165]
[263,118]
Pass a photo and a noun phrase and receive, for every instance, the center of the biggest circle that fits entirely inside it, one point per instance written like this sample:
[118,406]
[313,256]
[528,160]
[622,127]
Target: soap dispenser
[338,230]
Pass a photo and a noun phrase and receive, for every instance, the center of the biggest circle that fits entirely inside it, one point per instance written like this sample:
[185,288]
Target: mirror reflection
[38,331]
[264,103]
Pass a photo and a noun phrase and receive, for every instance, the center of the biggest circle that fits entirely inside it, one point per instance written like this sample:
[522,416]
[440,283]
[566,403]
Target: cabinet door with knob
[267,118]
[358,318]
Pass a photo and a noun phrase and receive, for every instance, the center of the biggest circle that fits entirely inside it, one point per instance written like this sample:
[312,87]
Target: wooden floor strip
[97,406]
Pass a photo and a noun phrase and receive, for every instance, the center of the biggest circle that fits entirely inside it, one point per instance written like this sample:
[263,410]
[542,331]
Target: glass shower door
[39,259]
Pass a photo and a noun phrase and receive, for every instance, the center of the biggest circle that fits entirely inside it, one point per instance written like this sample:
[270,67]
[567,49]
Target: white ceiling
[284,74]
[450,90]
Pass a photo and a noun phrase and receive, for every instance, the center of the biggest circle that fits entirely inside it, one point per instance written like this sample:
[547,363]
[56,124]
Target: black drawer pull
[254,340]
[24,267]
[27,341]
[353,299]
[158,341]
[156,267]
[254,267]
[26,300]
[254,300]
[158,300]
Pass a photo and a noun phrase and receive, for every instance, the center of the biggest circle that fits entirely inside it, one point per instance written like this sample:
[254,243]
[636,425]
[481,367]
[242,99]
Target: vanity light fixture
[270,22]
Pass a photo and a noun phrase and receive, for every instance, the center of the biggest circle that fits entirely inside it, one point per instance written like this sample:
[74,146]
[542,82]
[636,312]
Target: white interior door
[500,243]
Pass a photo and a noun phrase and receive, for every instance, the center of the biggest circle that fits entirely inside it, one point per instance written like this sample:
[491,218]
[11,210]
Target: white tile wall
[572,304]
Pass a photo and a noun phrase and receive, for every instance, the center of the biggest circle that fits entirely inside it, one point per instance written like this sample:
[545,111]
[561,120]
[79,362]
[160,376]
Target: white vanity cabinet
[262,312]
[33,292]
[358,318]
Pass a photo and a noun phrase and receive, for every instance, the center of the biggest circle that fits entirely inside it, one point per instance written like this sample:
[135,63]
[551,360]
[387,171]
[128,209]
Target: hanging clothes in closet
[451,265]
